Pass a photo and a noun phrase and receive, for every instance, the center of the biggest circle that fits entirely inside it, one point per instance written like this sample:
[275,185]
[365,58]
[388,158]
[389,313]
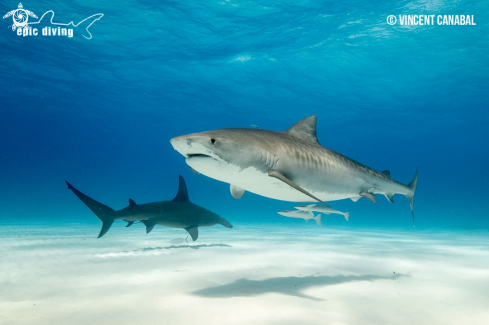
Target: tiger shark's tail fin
[103,212]
[410,196]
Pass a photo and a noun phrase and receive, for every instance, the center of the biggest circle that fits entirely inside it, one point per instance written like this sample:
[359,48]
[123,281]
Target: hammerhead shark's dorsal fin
[236,192]
[182,195]
[287,181]
[305,129]
[387,172]
[149,225]
[132,203]
[193,231]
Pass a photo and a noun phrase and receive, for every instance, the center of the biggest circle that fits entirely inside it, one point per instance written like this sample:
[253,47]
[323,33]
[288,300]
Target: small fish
[302,215]
[320,208]
[255,126]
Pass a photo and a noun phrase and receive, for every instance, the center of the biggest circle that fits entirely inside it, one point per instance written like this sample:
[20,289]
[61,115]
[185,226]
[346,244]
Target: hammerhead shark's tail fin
[412,186]
[103,212]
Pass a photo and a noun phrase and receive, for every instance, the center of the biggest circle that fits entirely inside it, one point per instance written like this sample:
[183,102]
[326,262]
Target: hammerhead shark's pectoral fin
[236,192]
[149,225]
[369,196]
[193,231]
[287,181]
[105,227]
[129,223]
[225,223]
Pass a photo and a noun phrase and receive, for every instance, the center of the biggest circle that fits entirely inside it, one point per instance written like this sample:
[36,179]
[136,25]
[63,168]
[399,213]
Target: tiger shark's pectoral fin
[193,231]
[236,192]
[287,181]
[369,196]
[149,225]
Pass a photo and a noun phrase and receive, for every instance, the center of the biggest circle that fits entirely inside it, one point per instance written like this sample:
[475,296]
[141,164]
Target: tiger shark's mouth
[194,147]
[194,155]
[191,156]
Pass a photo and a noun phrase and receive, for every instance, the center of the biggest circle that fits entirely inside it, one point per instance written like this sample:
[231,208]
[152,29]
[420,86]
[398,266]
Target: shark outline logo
[71,23]
[99,16]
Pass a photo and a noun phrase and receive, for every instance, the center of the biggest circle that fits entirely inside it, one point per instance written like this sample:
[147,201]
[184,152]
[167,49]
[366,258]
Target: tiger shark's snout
[195,146]
[181,144]
[188,145]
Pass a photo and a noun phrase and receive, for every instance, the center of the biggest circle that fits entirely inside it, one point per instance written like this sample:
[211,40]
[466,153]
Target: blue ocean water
[99,112]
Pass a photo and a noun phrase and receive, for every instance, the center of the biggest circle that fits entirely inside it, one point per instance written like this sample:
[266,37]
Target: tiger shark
[177,213]
[286,165]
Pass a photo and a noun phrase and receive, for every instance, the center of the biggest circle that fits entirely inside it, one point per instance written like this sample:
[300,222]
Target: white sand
[300,274]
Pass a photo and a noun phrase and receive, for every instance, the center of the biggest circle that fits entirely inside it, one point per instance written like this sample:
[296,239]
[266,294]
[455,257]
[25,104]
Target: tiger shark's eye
[213,140]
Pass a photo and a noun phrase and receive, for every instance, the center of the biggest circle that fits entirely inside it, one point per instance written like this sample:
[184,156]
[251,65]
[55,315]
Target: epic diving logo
[20,17]
[45,25]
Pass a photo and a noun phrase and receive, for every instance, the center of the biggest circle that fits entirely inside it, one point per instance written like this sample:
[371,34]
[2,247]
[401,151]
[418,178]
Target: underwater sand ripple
[271,275]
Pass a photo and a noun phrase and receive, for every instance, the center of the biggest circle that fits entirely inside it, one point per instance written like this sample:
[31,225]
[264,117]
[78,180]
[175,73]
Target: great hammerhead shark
[177,213]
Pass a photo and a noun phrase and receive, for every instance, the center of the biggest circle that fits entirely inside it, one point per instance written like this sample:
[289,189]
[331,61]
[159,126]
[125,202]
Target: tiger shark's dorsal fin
[387,172]
[132,203]
[182,195]
[305,129]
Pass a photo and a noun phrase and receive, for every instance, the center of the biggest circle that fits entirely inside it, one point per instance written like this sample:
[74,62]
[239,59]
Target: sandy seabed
[266,274]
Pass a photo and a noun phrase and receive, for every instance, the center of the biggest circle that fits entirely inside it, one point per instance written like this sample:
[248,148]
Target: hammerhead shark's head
[177,213]
[289,165]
